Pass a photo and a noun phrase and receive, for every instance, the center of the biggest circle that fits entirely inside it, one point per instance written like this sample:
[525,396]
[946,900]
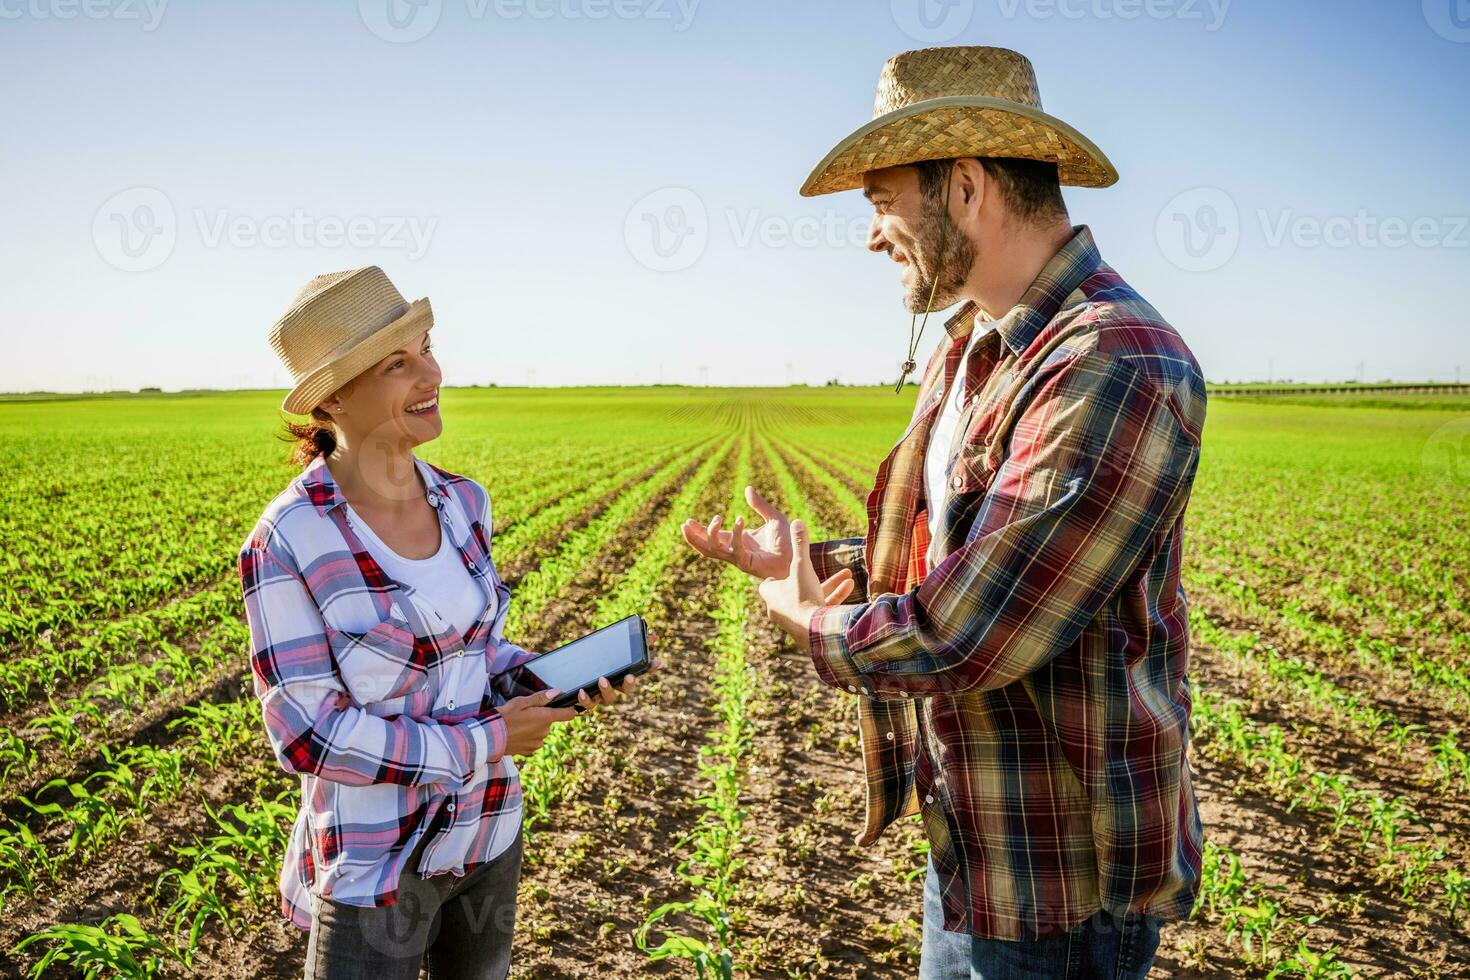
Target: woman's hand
[608,694]
[528,720]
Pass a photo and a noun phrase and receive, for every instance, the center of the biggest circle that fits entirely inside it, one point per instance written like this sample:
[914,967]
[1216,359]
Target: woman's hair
[315,438]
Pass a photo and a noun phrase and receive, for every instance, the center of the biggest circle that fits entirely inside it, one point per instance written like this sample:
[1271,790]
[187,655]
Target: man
[1016,630]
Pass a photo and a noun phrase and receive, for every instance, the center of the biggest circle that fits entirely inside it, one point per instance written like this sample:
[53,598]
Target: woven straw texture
[339,325]
[959,102]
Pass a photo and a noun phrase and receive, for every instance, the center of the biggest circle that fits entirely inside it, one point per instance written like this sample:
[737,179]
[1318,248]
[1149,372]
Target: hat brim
[313,389]
[961,126]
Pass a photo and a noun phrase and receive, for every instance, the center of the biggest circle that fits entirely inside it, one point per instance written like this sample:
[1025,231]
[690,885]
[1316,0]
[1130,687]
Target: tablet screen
[607,652]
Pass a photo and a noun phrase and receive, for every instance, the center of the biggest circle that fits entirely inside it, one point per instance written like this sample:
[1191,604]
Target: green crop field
[708,825]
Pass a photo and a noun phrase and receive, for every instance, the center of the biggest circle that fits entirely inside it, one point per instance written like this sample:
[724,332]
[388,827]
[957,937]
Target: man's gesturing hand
[792,599]
[765,552]
[527,720]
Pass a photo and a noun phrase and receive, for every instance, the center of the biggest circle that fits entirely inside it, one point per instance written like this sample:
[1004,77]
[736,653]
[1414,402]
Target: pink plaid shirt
[377,701]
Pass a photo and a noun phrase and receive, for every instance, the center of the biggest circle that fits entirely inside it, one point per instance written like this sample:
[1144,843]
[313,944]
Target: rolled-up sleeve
[1099,468]
[312,722]
[831,557]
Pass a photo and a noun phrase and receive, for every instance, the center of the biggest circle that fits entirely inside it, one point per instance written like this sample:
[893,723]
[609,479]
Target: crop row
[713,848]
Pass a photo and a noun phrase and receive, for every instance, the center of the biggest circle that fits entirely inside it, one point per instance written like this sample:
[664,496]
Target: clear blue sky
[174,171]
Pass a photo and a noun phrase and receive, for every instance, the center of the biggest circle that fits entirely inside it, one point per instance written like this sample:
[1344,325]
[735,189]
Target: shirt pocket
[380,663]
[973,470]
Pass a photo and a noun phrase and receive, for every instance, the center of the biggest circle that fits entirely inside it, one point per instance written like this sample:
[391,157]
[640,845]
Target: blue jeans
[1102,947]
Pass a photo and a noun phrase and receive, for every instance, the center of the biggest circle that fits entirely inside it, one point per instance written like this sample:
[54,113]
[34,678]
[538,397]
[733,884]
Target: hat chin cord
[909,365]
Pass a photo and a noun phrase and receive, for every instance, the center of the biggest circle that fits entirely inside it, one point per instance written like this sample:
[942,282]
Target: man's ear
[970,184]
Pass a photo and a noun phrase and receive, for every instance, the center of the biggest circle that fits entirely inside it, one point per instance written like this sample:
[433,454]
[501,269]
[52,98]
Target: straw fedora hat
[338,326]
[940,103]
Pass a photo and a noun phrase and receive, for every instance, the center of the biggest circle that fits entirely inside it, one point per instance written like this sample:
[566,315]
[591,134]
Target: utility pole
[1270,370]
[1360,372]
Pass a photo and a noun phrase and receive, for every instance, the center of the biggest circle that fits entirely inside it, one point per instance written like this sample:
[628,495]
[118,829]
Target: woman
[375,618]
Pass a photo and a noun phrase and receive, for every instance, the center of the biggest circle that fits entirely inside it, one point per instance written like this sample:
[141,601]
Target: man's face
[908,224]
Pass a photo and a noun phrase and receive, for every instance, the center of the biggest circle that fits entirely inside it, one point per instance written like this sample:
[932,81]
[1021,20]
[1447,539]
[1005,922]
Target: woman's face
[396,401]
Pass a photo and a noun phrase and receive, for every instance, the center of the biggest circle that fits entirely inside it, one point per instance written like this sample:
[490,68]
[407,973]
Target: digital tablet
[614,652]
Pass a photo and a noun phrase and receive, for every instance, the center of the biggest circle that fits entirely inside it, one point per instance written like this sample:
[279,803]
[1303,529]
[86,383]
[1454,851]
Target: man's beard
[953,268]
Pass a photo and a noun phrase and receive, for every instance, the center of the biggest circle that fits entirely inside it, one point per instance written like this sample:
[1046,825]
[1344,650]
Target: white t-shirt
[440,581]
[937,458]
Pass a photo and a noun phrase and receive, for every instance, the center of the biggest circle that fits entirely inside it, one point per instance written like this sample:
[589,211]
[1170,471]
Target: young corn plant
[118,947]
[714,846]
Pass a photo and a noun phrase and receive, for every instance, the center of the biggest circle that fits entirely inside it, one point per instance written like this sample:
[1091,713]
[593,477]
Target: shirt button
[903,694]
[450,807]
[451,703]
[852,689]
[459,652]
[957,482]
[890,736]
[927,799]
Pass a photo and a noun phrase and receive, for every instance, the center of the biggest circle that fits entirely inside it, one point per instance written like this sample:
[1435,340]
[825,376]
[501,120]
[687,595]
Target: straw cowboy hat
[940,103]
[338,326]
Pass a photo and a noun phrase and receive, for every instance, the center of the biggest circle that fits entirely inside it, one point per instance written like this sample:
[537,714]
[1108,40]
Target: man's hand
[528,720]
[765,553]
[793,599]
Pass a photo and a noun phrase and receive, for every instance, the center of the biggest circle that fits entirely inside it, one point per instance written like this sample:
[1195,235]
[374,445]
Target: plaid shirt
[376,700]
[1028,694]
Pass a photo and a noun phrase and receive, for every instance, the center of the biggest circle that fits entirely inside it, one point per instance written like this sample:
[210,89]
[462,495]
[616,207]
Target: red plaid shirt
[375,699]
[1028,694]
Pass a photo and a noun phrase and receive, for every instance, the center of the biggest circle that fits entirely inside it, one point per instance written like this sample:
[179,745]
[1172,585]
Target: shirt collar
[322,490]
[1076,260]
